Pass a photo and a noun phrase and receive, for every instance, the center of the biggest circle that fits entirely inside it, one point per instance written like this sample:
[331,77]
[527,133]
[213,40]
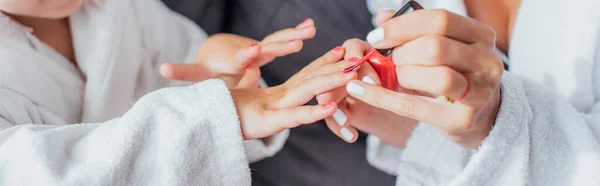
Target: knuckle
[312,115]
[494,69]
[441,21]
[496,73]
[489,33]
[435,47]
[331,56]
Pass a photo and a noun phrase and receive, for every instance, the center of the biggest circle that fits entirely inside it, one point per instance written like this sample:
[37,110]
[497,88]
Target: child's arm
[167,138]
[174,136]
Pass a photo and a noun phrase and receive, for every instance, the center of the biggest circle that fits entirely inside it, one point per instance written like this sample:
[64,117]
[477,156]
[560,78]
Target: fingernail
[340,117]
[306,21]
[338,49]
[253,45]
[353,60]
[346,134]
[328,106]
[355,89]
[307,27]
[369,80]
[375,36]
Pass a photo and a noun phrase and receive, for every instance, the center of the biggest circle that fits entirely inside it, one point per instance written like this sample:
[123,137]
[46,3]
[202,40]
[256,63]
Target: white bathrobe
[174,136]
[547,131]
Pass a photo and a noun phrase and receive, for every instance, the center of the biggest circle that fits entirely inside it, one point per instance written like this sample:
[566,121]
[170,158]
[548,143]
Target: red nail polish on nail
[353,60]
[349,73]
[306,21]
[253,45]
[328,105]
[338,49]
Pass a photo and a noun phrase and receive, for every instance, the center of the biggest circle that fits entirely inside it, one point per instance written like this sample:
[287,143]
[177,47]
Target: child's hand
[268,111]
[237,59]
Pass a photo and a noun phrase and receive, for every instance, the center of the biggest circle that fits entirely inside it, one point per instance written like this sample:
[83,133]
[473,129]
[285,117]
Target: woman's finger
[434,80]
[344,130]
[304,91]
[405,28]
[294,116]
[367,74]
[435,50]
[411,106]
[383,15]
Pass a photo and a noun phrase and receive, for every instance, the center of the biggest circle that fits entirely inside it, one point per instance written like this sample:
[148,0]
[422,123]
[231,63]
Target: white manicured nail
[369,80]
[355,89]
[340,117]
[346,134]
[375,36]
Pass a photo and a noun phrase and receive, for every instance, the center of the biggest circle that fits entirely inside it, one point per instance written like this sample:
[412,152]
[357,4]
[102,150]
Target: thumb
[184,72]
[243,59]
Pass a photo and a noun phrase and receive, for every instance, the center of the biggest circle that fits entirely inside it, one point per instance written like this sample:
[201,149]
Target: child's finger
[295,116]
[384,15]
[335,95]
[240,62]
[250,79]
[304,91]
[303,33]
[333,56]
[184,72]
[272,50]
[306,23]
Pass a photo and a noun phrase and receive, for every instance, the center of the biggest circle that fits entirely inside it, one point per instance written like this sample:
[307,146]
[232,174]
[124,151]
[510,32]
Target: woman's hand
[439,54]
[354,114]
[268,111]
[237,59]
